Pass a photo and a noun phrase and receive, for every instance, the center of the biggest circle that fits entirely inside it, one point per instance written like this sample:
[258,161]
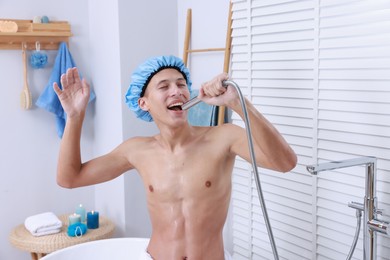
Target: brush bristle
[23,100]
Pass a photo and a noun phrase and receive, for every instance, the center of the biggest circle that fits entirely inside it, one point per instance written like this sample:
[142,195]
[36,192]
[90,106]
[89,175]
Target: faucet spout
[315,169]
[370,225]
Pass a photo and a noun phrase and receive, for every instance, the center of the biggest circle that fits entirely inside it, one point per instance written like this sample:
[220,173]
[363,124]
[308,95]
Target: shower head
[190,103]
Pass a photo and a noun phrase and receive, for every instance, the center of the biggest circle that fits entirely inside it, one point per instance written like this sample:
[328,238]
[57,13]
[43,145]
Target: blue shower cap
[144,73]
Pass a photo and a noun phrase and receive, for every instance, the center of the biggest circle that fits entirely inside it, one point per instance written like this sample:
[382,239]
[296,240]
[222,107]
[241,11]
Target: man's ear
[143,104]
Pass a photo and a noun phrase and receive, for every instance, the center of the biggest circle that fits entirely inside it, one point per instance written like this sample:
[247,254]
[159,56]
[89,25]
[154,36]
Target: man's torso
[188,193]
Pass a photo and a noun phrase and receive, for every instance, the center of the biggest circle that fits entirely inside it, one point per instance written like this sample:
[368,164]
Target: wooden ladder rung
[206,50]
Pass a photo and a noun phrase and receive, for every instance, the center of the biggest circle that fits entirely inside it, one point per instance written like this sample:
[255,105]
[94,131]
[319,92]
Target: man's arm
[271,150]
[71,172]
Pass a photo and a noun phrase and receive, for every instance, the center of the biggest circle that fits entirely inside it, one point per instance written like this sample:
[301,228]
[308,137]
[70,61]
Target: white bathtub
[114,249]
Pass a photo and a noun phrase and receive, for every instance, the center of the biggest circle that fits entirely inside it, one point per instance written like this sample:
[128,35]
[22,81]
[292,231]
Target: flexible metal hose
[357,231]
[254,166]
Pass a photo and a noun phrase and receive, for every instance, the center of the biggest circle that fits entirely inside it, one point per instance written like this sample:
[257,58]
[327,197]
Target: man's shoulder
[139,140]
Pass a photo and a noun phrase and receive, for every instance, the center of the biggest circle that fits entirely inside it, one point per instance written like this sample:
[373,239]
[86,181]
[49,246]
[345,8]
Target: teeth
[176,104]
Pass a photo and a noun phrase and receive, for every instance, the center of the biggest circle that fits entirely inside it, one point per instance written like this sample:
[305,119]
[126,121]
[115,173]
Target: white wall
[28,140]
[105,76]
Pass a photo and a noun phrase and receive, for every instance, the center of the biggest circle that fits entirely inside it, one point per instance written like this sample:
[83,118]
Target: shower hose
[357,231]
[195,101]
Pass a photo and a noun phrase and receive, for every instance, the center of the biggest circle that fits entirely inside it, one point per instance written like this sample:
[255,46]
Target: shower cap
[144,73]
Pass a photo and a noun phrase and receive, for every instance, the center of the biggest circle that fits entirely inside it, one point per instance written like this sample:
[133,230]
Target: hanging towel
[43,224]
[48,100]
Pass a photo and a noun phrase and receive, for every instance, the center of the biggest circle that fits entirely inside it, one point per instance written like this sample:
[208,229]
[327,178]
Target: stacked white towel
[43,224]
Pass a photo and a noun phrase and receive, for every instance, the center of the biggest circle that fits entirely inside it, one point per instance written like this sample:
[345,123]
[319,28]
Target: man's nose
[176,90]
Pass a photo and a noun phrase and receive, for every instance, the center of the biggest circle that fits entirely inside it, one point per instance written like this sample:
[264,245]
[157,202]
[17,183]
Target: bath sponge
[38,59]
[77,230]
[143,74]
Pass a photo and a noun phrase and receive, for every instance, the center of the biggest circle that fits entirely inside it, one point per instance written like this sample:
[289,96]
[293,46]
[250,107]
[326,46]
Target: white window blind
[320,72]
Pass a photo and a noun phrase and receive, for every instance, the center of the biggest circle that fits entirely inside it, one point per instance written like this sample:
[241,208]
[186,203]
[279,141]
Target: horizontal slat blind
[353,117]
[320,72]
[272,61]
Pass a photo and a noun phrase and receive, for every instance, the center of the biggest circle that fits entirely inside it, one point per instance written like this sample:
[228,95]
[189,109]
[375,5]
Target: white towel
[47,232]
[43,224]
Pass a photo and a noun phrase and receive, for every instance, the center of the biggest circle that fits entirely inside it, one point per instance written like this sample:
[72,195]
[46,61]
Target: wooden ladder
[226,49]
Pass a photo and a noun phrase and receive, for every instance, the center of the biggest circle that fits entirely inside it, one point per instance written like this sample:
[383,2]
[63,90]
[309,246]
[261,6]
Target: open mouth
[175,106]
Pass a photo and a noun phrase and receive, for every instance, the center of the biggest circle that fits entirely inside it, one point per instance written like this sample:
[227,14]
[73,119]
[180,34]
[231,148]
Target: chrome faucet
[371,224]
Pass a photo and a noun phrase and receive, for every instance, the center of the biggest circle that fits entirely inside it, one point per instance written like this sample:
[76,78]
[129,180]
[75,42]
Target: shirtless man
[186,170]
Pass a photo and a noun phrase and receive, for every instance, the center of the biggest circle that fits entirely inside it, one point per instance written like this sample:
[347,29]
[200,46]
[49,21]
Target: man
[186,170]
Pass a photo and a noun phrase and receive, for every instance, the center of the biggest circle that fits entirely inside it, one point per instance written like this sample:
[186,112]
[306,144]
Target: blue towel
[202,114]
[48,100]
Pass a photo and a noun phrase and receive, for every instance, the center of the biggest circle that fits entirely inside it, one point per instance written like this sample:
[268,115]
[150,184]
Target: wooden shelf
[49,35]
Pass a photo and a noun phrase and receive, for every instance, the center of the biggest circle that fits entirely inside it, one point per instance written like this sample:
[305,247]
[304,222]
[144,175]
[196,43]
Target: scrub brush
[25,96]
